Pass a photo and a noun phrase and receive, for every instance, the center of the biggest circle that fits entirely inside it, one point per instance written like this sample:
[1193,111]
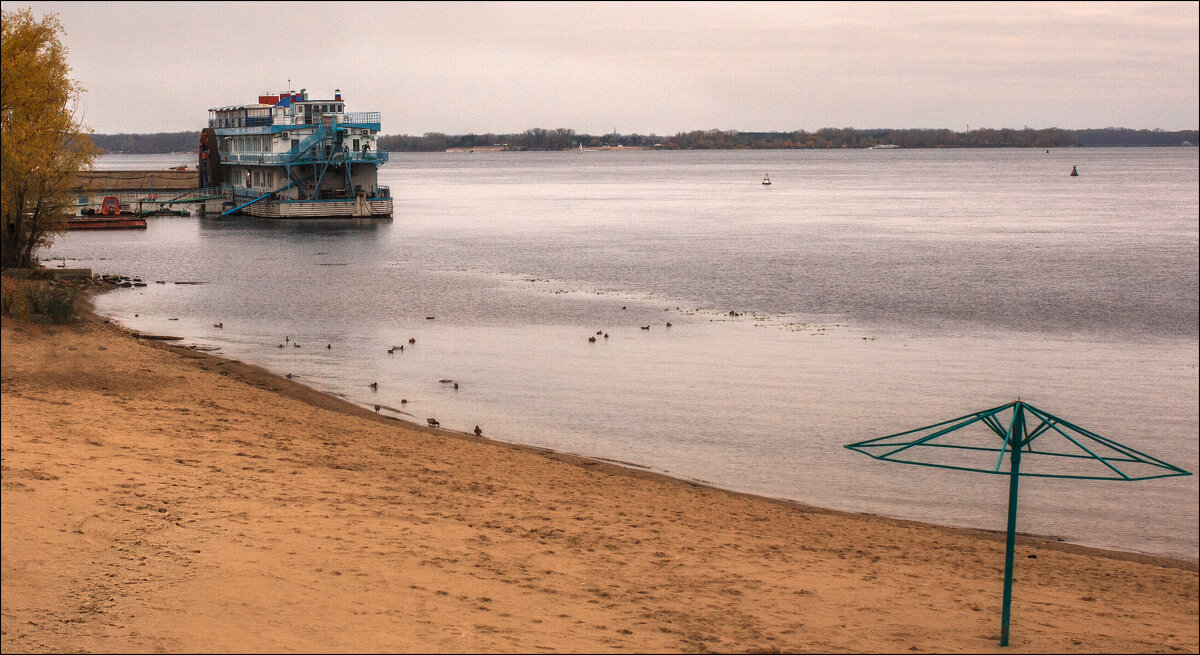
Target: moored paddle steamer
[291,156]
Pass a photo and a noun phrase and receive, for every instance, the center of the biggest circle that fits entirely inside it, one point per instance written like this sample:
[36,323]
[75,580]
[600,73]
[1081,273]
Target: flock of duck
[432,422]
[592,339]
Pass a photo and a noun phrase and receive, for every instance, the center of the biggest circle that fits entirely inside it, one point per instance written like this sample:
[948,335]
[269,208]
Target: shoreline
[175,499]
[335,402]
[325,400]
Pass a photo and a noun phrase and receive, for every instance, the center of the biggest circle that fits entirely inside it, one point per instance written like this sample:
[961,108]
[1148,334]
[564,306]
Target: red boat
[109,218]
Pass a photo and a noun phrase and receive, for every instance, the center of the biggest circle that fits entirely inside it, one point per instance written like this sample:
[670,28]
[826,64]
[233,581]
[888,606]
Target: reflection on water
[876,291]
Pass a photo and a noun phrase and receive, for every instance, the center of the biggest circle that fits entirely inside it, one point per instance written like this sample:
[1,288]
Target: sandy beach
[162,499]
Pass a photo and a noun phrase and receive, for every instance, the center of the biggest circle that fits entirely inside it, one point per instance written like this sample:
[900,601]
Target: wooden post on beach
[1015,442]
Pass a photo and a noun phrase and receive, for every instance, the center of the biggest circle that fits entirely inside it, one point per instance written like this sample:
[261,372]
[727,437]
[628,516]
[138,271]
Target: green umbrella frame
[1017,442]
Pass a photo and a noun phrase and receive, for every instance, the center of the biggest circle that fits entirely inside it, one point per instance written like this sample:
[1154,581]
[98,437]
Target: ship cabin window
[295,144]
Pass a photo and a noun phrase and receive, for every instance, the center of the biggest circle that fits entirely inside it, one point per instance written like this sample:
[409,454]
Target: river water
[871,291]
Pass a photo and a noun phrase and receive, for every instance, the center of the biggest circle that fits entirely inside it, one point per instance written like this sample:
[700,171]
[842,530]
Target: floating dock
[106,223]
[149,192]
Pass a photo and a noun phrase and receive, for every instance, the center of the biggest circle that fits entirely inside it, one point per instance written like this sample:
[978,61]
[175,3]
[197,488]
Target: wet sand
[161,499]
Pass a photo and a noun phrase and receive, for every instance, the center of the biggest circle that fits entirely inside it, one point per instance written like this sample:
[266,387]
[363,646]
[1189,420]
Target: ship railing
[360,117]
[300,156]
[353,118]
[199,195]
[337,156]
[250,121]
[377,156]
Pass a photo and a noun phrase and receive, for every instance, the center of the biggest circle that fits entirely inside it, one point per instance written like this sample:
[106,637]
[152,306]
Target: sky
[645,67]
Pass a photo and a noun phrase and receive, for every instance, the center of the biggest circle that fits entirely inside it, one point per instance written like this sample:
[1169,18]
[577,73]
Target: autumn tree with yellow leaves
[42,143]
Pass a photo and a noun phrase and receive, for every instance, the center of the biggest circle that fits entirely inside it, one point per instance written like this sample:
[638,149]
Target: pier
[149,190]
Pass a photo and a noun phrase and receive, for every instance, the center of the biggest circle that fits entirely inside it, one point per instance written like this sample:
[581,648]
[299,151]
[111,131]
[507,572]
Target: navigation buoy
[1074,173]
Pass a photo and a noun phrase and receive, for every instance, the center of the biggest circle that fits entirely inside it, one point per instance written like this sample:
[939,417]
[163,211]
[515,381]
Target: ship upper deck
[288,111]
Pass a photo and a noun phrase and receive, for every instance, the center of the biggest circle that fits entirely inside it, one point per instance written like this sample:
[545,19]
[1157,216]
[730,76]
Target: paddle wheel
[210,159]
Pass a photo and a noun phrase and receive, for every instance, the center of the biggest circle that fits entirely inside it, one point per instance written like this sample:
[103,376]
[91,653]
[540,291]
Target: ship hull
[370,208]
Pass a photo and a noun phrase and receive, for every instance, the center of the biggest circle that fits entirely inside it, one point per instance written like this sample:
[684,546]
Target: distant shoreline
[652,148]
[823,139]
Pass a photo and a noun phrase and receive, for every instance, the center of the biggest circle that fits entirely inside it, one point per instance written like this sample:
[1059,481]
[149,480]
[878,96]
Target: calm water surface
[877,291]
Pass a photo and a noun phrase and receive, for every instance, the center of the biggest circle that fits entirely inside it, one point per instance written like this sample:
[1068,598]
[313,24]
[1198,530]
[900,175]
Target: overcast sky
[643,67]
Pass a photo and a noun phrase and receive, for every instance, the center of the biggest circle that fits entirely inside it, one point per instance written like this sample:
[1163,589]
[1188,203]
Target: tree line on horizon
[847,137]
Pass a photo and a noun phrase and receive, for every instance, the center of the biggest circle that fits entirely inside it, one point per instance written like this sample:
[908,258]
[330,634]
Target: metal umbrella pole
[1016,430]
[1076,449]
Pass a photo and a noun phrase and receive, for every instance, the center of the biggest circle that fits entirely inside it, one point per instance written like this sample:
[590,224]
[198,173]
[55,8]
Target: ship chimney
[337,94]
